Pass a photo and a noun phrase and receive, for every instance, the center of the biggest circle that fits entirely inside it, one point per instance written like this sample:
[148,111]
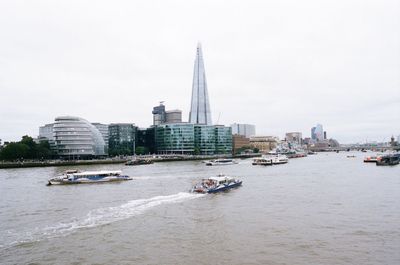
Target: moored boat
[139,161]
[216,184]
[75,177]
[221,162]
[371,159]
[262,161]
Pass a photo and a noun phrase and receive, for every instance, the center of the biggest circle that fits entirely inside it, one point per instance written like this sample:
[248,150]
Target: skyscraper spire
[200,112]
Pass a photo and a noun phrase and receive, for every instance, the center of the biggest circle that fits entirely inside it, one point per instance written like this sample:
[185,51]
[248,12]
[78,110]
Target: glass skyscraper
[200,112]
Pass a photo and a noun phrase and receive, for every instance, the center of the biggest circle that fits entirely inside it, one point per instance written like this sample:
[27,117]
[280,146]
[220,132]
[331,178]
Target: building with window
[121,138]
[246,130]
[175,138]
[294,137]
[103,128]
[189,138]
[76,138]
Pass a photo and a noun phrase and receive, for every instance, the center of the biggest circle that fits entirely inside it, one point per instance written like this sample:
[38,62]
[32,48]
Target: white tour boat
[76,177]
[262,161]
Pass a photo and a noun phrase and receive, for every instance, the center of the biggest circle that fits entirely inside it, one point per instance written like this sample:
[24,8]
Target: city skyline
[342,72]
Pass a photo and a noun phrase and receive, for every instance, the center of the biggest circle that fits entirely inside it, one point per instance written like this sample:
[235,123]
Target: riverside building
[76,138]
[189,138]
[122,137]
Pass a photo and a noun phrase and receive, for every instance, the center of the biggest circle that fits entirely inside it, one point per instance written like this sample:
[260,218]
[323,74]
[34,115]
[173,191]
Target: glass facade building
[204,136]
[188,138]
[121,138]
[77,138]
[223,139]
[175,138]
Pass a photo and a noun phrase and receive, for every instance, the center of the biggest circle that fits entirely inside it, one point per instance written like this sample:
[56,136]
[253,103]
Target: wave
[99,217]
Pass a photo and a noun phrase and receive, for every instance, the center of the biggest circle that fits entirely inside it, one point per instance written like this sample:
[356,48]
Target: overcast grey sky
[281,65]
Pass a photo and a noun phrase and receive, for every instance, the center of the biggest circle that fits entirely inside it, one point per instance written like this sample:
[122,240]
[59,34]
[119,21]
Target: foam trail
[103,216]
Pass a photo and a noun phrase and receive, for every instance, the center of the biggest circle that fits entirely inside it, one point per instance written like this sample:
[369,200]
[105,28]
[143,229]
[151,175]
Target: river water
[322,209]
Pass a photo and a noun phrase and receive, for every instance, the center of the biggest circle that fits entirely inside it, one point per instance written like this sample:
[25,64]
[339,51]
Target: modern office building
[175,138]
[122,137]
[46,132]
[189,138]
[246,130]
[200,112]
[317,133]
[103,128]
[294,137]
[76,138]
[223,139]
[204,139]
[145,139]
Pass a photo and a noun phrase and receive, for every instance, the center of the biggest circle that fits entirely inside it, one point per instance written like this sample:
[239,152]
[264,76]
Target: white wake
[101,216]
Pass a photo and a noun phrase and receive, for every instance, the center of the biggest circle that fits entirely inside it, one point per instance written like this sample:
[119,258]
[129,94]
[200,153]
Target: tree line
[27,148]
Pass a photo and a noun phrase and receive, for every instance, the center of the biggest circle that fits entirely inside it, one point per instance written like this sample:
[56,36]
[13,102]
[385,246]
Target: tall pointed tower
[200,112]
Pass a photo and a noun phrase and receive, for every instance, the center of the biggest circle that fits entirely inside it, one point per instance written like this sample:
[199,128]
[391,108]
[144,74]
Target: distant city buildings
[246,130]
[317,133]
[103,128]
[294,137]
[161,116]
[264,143]
[200,112]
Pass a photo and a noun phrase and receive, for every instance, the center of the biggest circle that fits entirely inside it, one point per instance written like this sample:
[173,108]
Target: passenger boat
[76,177]
[216,184]
[279,159]
[139,161]
[221,162]
[262,161]
[388,160]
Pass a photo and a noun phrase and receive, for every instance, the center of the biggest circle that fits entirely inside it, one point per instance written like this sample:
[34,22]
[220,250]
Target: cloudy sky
[281,65]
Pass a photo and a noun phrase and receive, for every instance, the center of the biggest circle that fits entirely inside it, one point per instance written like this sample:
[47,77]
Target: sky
[281,65]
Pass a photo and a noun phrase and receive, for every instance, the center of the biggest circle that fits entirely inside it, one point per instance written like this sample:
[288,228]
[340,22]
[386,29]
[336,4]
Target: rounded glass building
[77,138]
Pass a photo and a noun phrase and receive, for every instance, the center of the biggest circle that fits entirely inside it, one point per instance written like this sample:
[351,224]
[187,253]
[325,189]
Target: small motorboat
[351,156]
[262,161]
[76,177]
[216,184]
[221,162]
[139,161]
[371,159]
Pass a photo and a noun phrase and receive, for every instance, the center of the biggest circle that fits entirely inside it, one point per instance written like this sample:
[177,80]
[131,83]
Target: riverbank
[158,158]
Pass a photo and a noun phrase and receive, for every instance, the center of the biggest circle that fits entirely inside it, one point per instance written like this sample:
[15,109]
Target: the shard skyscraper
[200,112]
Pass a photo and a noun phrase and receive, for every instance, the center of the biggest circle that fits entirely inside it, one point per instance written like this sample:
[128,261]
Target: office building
[103,128]
[200,112]
[175,138]
[189,138]
[76,138]
[121,138]
[317,133]
[145,140]
[246,130]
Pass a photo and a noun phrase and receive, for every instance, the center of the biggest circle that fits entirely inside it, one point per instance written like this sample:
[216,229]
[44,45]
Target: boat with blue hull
[216,184]
[76,177]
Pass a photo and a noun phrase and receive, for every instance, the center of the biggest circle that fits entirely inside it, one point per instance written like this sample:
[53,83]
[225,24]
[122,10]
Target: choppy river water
[322,209]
